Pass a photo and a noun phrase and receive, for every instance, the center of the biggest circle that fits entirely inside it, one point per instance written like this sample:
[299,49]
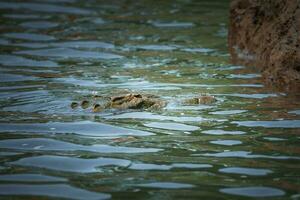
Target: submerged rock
[266,34]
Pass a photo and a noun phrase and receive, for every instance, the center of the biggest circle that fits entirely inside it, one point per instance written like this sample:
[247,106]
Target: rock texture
[266,34]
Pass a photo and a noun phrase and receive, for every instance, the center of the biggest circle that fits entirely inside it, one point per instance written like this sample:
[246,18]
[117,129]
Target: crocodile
[135,101]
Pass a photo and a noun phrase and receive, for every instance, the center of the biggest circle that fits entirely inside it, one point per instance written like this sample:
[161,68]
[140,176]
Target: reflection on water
[173,24]
[151,116]
[270,124]
[29,36]
[31,178]
[172,126]
[166,185]
[43,7]
[69,53]
[39,24]
[222,132]
[254,191]
[55,52]
[50,190]
[14,78]
[226,142]
[10,60]
[81,128]
[144,166]
[70,164]
[36,144]
[246,171]
[246,154]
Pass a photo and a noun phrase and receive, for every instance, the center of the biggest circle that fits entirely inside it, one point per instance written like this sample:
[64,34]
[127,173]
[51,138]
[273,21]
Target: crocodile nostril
[74,105]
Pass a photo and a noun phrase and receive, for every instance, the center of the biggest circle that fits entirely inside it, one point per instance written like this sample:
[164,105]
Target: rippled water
[55,52]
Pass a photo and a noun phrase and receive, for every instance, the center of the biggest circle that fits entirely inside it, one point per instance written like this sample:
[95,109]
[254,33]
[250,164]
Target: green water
[246,145]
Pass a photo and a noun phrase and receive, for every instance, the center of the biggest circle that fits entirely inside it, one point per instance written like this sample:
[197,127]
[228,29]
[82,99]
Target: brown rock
[266,34]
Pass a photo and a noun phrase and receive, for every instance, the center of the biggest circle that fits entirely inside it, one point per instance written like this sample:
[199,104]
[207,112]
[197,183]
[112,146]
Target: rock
[266,34]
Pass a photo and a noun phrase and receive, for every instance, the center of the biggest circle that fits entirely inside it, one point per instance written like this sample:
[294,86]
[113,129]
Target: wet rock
[266,34]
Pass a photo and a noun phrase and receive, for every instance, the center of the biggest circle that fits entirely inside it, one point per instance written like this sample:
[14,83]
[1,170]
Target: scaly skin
[135,101]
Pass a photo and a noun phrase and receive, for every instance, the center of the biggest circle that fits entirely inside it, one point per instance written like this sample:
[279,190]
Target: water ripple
[85,128]
[69,164]
[51,190]
[43,144]
[258,191]
[270,124]
[43,7]
[66,53]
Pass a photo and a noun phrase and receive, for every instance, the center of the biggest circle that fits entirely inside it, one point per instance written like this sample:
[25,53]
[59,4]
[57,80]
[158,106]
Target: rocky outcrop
[266,34]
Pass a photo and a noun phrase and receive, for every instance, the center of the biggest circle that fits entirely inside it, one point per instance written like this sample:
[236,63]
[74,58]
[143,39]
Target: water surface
[55,52]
